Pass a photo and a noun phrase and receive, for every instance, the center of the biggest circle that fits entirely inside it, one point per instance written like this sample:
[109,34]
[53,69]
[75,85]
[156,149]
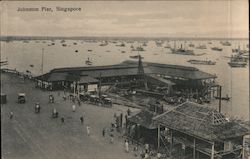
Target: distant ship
[182,51]
[191,45]
[144,44]
[104,43]
[139,48]
[201,47]
[226,43]
[202,62]
[216,49]
[64,45]
[237,61]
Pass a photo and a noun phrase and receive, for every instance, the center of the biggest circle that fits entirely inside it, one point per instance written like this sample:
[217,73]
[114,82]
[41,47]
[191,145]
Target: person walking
[88,130]
[103,132]
[62,120]
[11,115]
[111,138]
[126,146]
[81,119]
[73,108]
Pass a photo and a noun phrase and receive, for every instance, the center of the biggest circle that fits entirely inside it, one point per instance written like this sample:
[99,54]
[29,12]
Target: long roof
[201,121]
[131,68]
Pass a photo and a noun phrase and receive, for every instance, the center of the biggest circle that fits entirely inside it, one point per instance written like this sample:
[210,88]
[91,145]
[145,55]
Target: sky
[208,18]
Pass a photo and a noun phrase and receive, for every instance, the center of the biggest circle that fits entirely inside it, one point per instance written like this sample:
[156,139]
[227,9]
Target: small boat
[226,43]
[136,57]
[76,51]
[74,43]
[89,50]
[31,65]
[138,49]
[237,61]
[182,51]
[144,44]
[209,42]
[121,45]
[191,45]
[52,43]
[88,62]
[201,47]
[104,43]
[123,51]
[64,45]
[202,62]
[216,49]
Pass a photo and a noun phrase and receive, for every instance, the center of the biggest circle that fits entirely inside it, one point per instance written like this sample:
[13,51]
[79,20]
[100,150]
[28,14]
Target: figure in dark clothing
[128,112]
[62,119]
[81,119]
[11,115]
[103,132]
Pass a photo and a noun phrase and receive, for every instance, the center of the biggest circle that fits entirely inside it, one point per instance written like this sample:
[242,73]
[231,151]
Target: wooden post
[194,149]
[243,150]
[158,146]
[212,152]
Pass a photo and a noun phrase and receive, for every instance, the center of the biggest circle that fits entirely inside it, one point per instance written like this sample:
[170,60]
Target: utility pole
[220,99]
[42,58]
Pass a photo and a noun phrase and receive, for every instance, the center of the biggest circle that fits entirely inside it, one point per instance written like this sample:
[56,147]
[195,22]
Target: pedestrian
[146,155]
[73,108]
[111,138]
[158,155]
[88,130]
[103,132]
[81,119]
[62,120]
[147,148]
[126,146]
[11,115]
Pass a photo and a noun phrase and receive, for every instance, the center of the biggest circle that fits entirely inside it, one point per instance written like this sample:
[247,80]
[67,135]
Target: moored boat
[216,49]
[202,62]
[237,61]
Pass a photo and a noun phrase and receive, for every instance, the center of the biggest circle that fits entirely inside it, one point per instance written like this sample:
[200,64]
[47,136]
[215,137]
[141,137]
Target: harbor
[134,80]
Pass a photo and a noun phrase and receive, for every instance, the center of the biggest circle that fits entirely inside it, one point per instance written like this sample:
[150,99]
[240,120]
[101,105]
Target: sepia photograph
[125,79]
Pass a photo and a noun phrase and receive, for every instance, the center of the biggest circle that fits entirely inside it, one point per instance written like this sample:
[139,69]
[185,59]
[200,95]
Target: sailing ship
[237,61]
[202,62]
[182,51]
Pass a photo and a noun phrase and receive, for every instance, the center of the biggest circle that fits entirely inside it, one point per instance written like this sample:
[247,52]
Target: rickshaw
[21,98]
[51,98]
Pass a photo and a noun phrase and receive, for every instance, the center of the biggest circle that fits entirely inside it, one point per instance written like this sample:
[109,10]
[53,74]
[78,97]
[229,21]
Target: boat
[226,43]
[201,47]
[74,43]
[136,57]
[89,50]
[209,42]
[121,45]
[52,43]
[191,45]
[202,62]
[237,61]
[216,49]
[139,48]
[182,51]
[64,45]
[88,62]
[144,44]
[104,43]
[123,51]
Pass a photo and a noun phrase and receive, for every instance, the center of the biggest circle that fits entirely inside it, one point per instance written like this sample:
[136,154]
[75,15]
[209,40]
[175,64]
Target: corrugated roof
[130,68]
[144,118]
[201,121]
[87,79]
